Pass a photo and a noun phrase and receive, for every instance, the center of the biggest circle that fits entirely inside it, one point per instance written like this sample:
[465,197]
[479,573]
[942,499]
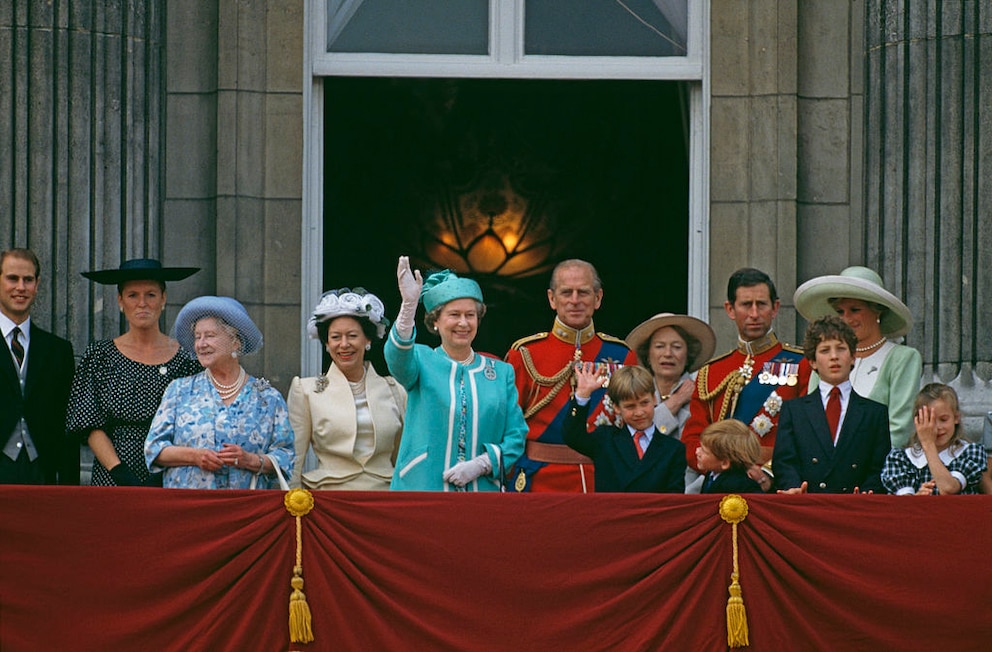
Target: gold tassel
[736,615]
[300,623]
[733,509]
[299,502]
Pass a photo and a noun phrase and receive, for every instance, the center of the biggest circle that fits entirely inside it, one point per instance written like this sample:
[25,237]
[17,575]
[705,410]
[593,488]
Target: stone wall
[233,178]
[81,149]
[784,123]
[928,151]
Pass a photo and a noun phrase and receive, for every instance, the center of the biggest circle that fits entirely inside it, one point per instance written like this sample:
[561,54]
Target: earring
[368,346]
[234,354]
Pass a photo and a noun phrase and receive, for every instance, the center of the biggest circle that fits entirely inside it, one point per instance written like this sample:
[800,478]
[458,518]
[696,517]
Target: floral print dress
[193,414]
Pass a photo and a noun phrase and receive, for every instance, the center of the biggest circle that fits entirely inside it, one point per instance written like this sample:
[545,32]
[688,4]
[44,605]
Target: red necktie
[833,412]
[16,347]
[637,443]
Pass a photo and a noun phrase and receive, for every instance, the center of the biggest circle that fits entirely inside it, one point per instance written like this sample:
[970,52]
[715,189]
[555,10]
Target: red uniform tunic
[747,384]
[543,365]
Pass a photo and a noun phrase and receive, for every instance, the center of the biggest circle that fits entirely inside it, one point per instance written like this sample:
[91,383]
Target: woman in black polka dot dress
[119,383]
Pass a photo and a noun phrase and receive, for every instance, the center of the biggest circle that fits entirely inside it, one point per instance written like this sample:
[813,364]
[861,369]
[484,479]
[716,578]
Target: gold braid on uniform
[734,382]
[555,382]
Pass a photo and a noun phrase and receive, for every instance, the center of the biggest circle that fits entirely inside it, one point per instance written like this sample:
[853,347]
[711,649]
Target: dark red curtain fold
[97,569]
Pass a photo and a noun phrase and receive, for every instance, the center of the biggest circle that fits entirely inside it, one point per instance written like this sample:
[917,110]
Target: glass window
[408,26]
[632,28]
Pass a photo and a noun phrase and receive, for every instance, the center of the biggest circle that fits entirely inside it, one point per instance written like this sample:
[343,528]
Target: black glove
[124,476]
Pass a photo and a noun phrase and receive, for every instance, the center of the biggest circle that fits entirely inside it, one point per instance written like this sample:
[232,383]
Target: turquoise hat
[444,286]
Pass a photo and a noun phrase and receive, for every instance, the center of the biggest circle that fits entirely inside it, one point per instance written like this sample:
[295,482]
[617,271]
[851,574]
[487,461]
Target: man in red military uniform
[544,367]
[750,382]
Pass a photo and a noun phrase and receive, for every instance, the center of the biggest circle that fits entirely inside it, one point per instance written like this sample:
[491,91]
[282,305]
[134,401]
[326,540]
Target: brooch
[490,371]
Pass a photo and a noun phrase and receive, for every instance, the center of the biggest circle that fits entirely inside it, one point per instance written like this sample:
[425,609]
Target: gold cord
[556,382]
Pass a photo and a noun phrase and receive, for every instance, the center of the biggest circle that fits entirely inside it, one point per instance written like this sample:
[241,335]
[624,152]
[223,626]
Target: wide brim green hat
[812,298]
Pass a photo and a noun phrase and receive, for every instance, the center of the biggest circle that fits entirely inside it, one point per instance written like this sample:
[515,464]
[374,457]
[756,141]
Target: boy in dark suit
[831,440]
[632,456]
[727,449]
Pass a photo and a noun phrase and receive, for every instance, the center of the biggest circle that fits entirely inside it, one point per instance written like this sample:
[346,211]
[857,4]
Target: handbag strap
[275,465]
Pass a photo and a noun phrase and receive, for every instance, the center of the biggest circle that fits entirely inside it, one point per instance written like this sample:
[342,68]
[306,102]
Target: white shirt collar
[949,454]
[649,431]
[845,391]
[7,325]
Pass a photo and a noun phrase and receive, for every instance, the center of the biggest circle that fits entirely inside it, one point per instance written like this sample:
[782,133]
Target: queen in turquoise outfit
[463,421]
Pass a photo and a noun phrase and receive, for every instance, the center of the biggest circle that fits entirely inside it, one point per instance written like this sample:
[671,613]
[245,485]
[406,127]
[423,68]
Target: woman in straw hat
[351,416]
[223,428]
[884,370]
[671,347]
[463,422]
[119,382]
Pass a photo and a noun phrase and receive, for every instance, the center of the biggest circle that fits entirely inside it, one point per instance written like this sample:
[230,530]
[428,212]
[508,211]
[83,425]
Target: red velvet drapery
[123,569]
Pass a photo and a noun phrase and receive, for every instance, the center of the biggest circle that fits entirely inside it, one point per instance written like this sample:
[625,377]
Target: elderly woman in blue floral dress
[463,421]
[220,429]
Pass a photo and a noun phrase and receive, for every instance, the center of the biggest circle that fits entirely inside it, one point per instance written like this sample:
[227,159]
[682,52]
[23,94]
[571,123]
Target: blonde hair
[938,392]
[732,441]
[628,383]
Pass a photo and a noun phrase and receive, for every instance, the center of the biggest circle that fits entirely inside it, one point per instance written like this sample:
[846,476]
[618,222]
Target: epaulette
[527,340]
[720,357]
[610,338]
[792,349]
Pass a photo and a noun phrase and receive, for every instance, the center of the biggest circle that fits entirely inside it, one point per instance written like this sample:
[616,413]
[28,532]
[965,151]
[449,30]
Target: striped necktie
[16,347]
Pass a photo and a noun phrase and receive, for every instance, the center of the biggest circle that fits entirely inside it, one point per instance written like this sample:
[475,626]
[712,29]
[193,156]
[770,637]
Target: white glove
[464,472]
[410,283]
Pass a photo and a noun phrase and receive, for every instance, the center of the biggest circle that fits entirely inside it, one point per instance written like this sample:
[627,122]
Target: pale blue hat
[444,286]
[225,308]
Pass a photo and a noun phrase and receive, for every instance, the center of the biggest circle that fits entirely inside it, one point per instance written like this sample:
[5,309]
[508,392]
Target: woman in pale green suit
[884,370]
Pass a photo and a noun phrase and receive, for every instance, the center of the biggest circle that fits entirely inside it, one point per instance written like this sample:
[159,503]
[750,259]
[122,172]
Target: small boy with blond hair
[727,449]
[632,455]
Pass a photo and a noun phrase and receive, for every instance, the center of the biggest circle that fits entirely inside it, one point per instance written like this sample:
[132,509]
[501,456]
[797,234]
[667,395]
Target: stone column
[80,148]
[928,145]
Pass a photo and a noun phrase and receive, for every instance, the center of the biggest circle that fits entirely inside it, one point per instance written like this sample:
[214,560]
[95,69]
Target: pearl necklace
[862,349]
[228,391]
[358,387]
[471,356]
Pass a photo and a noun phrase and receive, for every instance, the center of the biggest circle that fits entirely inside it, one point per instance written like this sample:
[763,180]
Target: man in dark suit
[831,440]
[36,370]
[633,457]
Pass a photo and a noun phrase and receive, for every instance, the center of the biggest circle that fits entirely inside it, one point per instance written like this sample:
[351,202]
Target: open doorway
[600,167]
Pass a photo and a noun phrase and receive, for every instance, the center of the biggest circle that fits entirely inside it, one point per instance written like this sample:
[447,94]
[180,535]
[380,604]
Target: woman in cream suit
[351,417]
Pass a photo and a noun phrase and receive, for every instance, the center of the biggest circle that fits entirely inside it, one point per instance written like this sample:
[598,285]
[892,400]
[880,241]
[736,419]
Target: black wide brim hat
[140,269]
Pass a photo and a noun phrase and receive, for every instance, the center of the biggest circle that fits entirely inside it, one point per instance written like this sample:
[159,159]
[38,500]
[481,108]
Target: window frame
[506,60]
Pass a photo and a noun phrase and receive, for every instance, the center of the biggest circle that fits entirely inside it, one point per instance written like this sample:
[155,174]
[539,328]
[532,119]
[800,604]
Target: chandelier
[491,229]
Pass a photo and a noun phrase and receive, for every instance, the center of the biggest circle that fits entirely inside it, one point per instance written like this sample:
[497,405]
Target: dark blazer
[732,481]
[46,392]
[804,449]
[618,469]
